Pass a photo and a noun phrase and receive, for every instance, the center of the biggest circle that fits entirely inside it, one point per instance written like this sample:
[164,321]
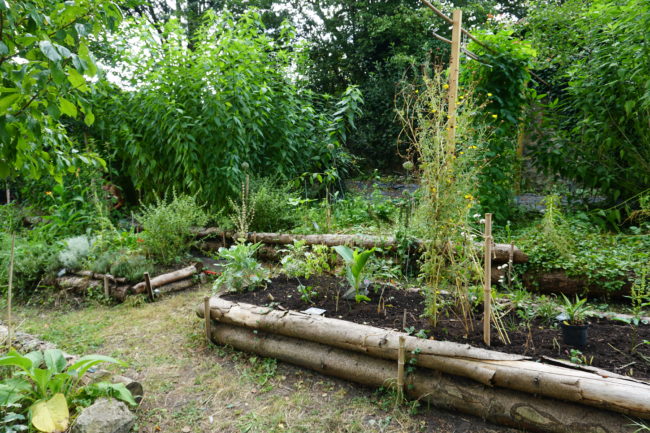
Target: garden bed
[608,347]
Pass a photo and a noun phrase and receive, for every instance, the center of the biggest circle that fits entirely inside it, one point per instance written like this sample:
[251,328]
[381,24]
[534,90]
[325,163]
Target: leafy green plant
[46,392]
[168,227]
[577,357]
[576,311]
[34,259]
[241,271]
[131,266]
[303,262]
[307,293]
[273,213]
[355,261]
[211,126]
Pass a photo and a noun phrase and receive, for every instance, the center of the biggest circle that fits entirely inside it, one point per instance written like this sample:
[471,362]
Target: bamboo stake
[401,357]
[208,319]
[10,289]
[454,68]
[487,287]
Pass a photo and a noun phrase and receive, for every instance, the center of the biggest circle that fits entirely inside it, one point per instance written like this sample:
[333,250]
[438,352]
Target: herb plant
[307,293]
[577,311]
[355,261]
[241,271]
[303,262]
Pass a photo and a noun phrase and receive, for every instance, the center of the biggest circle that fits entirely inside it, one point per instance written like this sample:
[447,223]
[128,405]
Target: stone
[104,416]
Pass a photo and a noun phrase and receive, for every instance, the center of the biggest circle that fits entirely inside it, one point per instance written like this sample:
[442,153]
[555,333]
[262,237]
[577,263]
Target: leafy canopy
[45,64]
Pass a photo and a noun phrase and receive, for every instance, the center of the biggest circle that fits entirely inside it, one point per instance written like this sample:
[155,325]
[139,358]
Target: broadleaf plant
[355,262]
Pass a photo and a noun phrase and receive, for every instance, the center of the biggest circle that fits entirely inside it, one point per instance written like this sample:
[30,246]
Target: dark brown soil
[609,345]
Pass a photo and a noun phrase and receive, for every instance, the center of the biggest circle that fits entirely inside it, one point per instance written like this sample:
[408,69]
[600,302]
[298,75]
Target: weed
[307,293]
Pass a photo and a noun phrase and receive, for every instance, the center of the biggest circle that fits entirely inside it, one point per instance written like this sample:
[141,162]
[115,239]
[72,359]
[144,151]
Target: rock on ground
[104,416]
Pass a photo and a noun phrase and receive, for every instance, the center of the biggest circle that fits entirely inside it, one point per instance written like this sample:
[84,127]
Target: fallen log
[99,276]
[557,281]
[506,407]
[501,251]
[177,286]
[120,293]
[606,391]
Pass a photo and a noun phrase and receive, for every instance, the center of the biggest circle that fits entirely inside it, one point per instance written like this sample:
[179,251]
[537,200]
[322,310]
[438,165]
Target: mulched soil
[608,346]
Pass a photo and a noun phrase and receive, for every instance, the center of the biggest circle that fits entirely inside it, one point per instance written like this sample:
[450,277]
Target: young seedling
[355,261]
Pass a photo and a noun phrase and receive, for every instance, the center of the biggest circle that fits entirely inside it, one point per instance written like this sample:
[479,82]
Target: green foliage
[355,262]
[241,271]
[594,132]
[572,244]
[34,258]
[131,266]
[36,377]
[500,81]
[449,179]
[45,66]
[577,311]
[307,293]
[168,227]
[197,114]
[303,262]
[273,212]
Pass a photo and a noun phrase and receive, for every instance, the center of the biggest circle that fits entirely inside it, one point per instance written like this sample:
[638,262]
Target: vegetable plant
[241,270]
[307,293]
[302,262]
[44,385]
[355,261]
[577,311]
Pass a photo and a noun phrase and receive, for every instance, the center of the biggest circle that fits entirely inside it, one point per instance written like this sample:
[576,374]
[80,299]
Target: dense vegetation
[125,126]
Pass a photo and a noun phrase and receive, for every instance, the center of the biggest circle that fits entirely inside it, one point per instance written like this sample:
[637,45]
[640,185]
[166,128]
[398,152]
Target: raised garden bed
[608,347]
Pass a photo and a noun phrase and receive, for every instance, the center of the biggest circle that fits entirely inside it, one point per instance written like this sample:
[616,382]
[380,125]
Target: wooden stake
[107,291]
[401,358]
[9,290]
[147,283]
[208,319]
[487,287]
[454,68]
[404,321]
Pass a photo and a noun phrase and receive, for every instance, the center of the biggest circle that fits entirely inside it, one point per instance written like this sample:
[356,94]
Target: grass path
[191,386]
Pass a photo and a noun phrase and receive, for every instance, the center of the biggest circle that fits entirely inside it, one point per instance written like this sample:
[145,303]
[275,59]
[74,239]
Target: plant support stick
[487,285]
[9,290]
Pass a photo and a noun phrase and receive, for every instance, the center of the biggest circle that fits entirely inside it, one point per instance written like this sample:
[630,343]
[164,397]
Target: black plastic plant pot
[575,335]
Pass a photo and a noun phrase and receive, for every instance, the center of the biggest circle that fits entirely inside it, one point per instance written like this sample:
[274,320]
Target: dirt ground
[191,386]
[609,345]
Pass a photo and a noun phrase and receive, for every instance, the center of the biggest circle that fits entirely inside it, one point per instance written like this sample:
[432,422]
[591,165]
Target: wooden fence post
[454,68]
[487,287]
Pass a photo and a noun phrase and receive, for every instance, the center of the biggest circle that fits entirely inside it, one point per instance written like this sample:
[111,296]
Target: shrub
[241,270]
[273,212]
[74,253]
[33,258]
[132,267]
[168,227]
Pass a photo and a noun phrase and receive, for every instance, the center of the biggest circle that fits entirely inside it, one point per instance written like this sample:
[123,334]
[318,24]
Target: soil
[609,344]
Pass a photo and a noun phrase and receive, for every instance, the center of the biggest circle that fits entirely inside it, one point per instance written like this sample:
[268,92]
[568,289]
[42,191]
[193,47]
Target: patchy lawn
[191,386]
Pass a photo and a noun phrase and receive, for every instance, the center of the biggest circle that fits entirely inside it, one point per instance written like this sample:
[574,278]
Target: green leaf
[77,80]
[7,101]
[50,51]
[54,360]
[15,359]
[4,50]
[89,119]
[345,252]
[67,107]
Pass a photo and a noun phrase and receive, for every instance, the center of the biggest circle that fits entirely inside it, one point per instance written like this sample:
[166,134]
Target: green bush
[33,259]
[168,227]
[273,212]
[132,267]
[241,271]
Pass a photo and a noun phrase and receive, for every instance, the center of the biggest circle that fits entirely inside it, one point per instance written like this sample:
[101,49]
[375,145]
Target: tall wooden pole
[487,287]
[454,68]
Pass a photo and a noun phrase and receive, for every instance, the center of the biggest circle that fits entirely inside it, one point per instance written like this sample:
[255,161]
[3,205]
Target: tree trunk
[501,251]
[506,407]
[557,281]
[606,390]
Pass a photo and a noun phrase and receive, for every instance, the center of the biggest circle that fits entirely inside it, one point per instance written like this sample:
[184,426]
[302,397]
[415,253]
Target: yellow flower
[48,192]
[473,147]
[461,97]
[445,86]
[494,116]
[489,94]
[469,197]
[417,91]
[462,153]
[434,111]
